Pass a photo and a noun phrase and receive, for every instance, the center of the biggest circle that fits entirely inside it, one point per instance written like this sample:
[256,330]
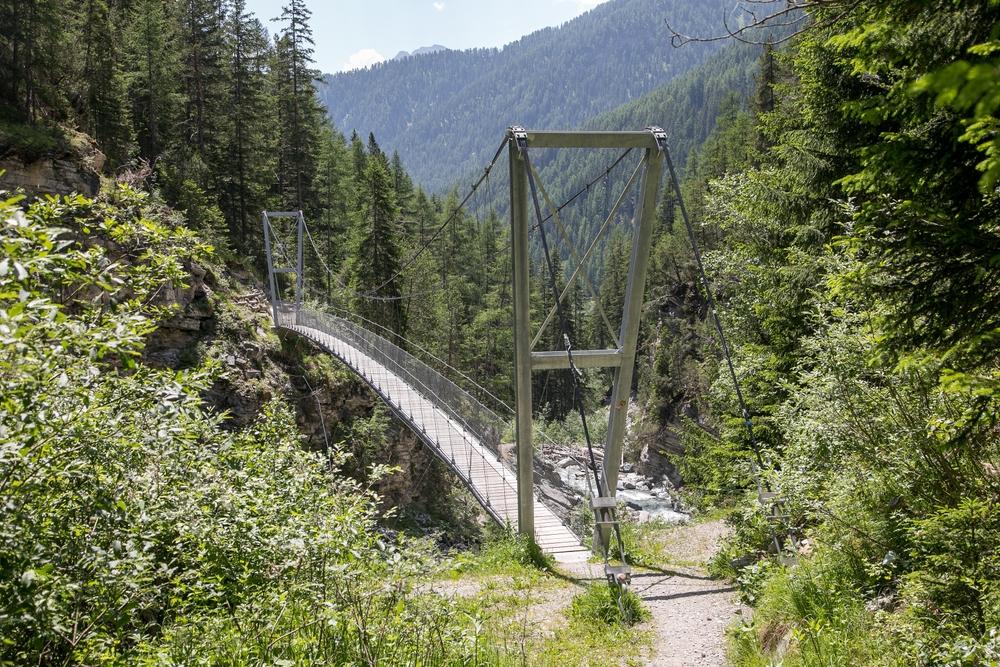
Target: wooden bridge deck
[494,485]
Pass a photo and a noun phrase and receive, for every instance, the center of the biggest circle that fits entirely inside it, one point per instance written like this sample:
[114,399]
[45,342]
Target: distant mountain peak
[434,48]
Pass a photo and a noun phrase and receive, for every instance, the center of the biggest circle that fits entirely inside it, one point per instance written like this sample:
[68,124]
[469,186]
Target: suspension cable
[348,290]
[499,401]
[710,300]
[427,244]
[591,183]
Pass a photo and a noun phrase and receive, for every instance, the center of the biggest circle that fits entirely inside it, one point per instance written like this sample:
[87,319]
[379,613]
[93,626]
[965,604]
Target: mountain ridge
[420,51]
[445,111]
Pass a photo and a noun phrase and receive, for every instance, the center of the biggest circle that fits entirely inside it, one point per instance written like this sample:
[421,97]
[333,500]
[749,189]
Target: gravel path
[690,611]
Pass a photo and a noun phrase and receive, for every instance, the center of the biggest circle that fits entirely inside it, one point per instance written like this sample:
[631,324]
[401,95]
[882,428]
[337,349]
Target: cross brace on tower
[653,142]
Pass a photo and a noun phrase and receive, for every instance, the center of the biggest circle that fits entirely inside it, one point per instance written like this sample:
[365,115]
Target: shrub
[606,605]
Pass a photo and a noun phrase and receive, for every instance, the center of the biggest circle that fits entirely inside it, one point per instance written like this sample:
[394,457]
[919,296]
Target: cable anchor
[659,136]
[520,137]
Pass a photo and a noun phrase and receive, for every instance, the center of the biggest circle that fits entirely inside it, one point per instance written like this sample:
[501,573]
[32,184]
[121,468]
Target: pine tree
[376,255]
[334,187]
[203,75]
[33,53]
[764,96]
[250,129]
[153,72]
[359,158]
[374,151]
[102,83]
[611,296]
[300,113]
[403,185]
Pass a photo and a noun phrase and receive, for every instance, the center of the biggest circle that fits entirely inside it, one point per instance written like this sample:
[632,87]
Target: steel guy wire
[443,225]
[579,192]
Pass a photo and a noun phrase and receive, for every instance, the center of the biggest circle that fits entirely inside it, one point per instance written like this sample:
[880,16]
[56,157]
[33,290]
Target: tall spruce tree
[250,130]
[300,114]
[153,74]
[376,256]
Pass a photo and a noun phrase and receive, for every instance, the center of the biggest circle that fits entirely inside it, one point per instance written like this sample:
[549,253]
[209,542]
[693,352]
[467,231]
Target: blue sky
[352,33]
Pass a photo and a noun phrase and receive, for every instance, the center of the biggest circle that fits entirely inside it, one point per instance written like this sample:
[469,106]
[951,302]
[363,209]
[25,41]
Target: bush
[136,530]
[31,142]
[606,605]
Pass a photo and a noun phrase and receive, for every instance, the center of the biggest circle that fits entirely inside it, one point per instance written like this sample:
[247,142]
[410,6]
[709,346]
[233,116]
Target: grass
[503,554]
[601,604]
[804,620]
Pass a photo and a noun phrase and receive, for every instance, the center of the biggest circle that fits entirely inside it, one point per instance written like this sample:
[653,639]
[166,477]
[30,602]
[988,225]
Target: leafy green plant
[600,603]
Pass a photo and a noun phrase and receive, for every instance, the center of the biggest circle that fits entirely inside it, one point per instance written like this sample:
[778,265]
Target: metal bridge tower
[272,271]
[622,358]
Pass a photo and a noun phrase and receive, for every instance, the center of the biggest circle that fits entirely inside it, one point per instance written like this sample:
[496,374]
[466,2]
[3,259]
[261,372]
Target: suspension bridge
[491,449]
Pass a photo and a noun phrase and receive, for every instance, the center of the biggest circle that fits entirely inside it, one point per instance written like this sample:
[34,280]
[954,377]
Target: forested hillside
[850,221]
[445,112]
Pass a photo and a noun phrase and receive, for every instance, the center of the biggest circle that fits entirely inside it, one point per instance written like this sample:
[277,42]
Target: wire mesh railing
[466,434]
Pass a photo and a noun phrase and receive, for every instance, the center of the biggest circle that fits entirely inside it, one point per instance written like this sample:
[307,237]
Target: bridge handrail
[455,402]
[477,419]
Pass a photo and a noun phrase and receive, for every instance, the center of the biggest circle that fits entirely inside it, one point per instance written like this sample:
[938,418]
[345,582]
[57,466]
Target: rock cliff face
[223,314]
[72,168]
[48,176]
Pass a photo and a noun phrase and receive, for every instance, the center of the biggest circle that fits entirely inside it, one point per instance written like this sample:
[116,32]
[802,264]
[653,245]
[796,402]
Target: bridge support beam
[649,188]
[522,340]
[653,141]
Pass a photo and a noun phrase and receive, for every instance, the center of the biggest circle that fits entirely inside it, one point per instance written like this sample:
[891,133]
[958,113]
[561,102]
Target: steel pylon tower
[653,141]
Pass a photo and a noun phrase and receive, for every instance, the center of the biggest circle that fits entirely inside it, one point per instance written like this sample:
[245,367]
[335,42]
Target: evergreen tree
[202,72]
[376,253]
[374,151]
[611,292]
[334,187]
[359,159]
[300,115]
[403,185]
[250,130]
[101,80]
[33,47]
[153,75]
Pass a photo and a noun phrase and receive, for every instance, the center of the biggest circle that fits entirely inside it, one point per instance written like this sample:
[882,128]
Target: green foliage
[502,552]
[854,260]
[602,604]
[137,530]
[30,142]
[803,618]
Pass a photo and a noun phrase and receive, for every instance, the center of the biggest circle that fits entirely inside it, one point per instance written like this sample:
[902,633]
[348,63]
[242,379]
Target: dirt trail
[690,611]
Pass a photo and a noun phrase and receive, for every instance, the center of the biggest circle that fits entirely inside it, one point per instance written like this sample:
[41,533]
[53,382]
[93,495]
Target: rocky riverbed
[562,477]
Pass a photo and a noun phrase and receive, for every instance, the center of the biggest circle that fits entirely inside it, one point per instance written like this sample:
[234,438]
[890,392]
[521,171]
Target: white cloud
[438,6]
[362,58]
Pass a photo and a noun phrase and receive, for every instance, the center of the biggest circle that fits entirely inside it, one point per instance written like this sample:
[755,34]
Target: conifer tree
[376,256]
[250,128]
[375,151]
[611,295]
[403,185]
[358,157]
[32,51]
[102,85]
[151,57]
[300,114]
[334,187]
[203,76]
